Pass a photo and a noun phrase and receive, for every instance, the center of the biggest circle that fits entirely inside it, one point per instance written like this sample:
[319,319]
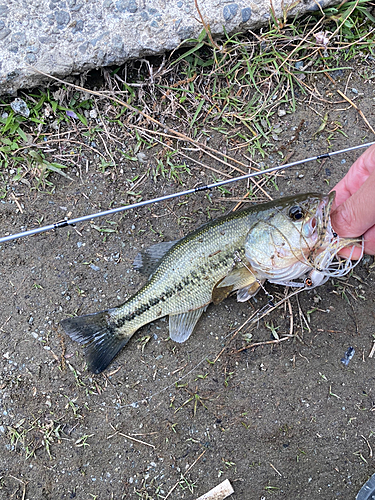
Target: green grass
[29,437]
[230,91]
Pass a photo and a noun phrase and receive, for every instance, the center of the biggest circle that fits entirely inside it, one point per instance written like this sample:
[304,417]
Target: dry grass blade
[23,486]
[314,29]
[187,470]
[179,135]
[358,109]
[255,318]
[129,437]
[206,26]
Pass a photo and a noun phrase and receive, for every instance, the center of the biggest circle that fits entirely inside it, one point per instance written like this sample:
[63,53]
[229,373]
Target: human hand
[353,211]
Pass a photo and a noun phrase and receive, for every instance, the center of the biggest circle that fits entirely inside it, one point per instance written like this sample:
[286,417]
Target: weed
[105,231]
[28,438]
[300,452]
[228,464]
[143,341]
[82,441]
[195,398]
[228,377]
[271,488]
[359,455]
[273,329]
[333,394]
[185,484]
[72,405]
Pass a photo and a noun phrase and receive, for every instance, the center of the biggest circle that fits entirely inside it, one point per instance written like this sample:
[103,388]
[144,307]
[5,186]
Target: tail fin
[98,336]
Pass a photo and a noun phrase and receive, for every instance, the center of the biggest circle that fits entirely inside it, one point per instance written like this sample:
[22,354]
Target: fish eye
[296,213]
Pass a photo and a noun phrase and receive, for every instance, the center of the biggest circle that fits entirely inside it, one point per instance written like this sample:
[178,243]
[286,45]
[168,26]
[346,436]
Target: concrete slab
[63,37]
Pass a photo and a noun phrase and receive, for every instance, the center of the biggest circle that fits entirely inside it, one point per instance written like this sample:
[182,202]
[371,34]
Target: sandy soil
[280,420]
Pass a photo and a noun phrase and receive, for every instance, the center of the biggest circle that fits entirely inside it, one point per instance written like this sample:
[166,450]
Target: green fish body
[236,252]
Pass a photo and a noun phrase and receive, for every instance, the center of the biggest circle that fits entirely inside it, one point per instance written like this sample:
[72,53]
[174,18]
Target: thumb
[345,221]
[357,214]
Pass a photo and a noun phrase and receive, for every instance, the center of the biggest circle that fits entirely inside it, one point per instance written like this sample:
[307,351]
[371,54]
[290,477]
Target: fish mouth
[324,213]
[326,260]
[320,224]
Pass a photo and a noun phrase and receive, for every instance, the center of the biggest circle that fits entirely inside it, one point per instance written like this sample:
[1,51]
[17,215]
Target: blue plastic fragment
[348,356]
[367,491]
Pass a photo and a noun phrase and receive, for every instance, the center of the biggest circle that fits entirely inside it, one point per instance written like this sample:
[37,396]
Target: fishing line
[72,222]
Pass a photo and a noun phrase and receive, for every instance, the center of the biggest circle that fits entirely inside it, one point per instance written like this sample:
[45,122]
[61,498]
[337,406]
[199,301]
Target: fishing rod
[72,222]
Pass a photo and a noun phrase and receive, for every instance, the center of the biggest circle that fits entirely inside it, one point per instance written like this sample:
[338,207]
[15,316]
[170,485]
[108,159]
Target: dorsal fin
[148,260]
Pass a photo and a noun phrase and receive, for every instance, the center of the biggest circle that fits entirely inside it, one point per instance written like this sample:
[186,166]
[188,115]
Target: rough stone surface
[61,37]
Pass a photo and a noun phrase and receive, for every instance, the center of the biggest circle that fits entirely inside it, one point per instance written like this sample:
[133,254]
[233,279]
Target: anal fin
[181,326]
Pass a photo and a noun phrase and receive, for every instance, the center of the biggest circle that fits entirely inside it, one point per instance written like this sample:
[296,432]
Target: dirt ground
[283,419]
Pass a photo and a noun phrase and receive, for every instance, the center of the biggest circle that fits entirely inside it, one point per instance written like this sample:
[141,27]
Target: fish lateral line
[233,256]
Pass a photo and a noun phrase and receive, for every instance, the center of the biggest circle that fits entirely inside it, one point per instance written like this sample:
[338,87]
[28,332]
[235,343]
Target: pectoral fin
[247,292]
[148,260]
[238,278]
[181,326]
[219,293]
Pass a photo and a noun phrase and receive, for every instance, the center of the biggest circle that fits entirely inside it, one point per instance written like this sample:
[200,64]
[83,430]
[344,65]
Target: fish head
[311,216]
[281,241]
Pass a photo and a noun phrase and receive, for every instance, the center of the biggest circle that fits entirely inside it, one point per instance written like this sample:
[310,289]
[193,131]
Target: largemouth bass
[280,241]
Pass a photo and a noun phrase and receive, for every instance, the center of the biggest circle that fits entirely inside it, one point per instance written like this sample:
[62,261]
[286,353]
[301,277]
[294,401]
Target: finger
[369,237]
[351,253]
[358,173]
[369,240]
[357,214]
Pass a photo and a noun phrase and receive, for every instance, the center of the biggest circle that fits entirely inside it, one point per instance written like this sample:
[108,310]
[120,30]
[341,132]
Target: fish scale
[188,272]
[225,255]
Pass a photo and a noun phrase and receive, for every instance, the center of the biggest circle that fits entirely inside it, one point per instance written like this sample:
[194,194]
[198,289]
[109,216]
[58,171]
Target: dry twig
[129,437]
[189,468]
[360,112]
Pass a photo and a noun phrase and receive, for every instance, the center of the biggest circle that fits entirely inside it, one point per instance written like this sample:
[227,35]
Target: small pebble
[20,107]
[142,157]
